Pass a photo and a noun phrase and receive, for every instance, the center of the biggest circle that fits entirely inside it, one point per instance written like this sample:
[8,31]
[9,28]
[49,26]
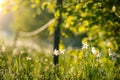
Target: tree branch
[29,34]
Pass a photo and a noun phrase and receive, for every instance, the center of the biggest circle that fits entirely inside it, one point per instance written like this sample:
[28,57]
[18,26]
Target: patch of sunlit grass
[86,63]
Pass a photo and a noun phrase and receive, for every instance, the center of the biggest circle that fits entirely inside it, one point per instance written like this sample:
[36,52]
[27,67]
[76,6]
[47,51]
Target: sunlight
[1,1]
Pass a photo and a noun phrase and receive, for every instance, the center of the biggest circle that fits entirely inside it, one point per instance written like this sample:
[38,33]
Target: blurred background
[28,16]
[89,40]
[18,16]
[96,22]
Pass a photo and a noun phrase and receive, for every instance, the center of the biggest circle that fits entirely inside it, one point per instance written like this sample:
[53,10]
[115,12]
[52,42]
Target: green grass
[81,64]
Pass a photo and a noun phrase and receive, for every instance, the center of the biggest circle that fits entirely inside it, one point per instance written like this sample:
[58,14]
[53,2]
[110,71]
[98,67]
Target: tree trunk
[57,31]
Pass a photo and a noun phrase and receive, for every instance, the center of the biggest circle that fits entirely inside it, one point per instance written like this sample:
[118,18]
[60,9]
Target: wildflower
[113,8]
[46,60]
[22,52]
[109,52]
[114,56]
[56,52]
[3,49]
[28,58]
[93,50]
[85,45]
[62,51]
[102,72]
[15,51]
[78,75]
[99,54]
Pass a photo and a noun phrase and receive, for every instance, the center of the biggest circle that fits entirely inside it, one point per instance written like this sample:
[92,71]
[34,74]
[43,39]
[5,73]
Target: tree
[98,19]
[26,18]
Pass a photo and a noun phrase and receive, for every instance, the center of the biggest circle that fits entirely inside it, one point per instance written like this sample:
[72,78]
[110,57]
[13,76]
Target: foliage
[98,19]
[88,17]
[26,18]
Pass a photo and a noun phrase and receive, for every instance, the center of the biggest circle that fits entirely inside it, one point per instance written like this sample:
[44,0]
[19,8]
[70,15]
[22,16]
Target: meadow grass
[82,64]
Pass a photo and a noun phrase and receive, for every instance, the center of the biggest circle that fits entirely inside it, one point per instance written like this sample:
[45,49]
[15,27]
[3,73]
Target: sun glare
[1,1]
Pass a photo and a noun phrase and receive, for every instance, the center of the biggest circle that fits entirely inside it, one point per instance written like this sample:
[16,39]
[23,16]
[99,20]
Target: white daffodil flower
[62,51]
[93,50]
[15,51]
[85,45]
[109,52]
[28,58]
[99,54]
[56,52]
[3,49]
